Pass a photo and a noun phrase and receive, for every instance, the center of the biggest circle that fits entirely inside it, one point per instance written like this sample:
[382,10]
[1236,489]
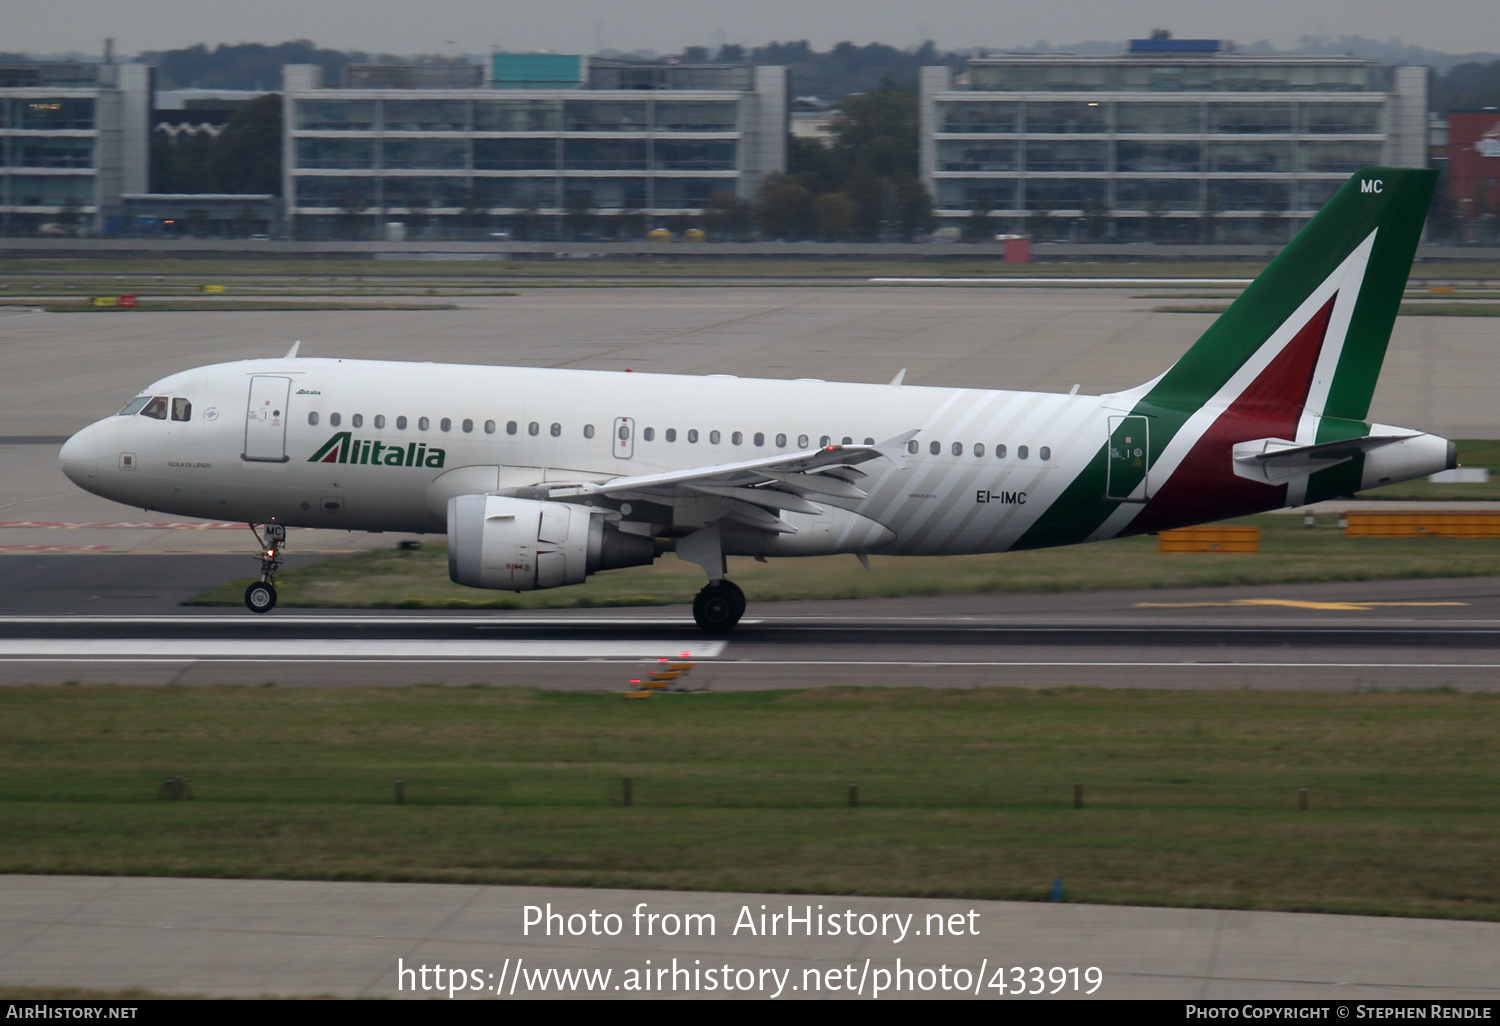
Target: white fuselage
[421,433]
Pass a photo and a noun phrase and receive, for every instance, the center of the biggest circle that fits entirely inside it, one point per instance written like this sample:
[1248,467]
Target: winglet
[291,354]
[900,376]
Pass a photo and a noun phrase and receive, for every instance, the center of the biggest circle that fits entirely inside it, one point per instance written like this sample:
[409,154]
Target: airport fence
[565,788]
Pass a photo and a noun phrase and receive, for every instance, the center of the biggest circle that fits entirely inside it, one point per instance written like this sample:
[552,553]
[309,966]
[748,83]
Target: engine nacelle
[495,541]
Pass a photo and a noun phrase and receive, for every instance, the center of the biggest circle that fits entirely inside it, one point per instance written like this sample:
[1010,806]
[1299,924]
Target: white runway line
[175,649]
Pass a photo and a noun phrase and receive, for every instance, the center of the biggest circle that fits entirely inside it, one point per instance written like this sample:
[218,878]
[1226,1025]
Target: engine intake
[495,541]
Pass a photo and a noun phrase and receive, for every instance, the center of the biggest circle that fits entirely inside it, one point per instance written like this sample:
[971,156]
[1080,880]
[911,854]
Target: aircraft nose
[80,457]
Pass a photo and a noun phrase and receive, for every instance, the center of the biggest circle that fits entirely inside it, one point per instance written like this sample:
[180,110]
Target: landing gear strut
[719,606]
[260,597]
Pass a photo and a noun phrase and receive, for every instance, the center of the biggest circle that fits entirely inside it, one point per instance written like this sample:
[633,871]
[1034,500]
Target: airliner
[542,477]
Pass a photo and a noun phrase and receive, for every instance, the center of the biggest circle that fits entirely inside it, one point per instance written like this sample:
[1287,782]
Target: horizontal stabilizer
[1276,459]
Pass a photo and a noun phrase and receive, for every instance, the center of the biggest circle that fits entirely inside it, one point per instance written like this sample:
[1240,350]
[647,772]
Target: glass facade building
[73,138]
[1174,140]
[568,159]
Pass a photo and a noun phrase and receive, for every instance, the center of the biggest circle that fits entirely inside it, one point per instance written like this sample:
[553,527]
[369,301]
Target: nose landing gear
[260,597]
[719,606]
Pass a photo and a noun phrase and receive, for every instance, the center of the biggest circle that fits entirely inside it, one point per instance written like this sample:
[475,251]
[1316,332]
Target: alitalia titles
[343,447]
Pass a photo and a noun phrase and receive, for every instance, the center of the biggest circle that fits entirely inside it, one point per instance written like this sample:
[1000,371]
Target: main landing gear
[260,597]
[719,606]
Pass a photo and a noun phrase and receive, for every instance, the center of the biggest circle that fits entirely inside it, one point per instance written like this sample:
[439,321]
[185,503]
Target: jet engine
[495,541]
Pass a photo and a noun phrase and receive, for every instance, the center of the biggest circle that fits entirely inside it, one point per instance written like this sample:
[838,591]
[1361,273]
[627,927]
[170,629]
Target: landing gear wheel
[719,606]
[260,597]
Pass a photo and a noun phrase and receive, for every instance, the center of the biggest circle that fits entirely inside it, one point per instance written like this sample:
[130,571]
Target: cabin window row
[1001,451]
[692,435]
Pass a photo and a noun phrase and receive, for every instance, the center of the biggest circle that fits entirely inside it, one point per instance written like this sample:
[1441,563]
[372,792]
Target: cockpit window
[134,406]
[182,409]
[156,409]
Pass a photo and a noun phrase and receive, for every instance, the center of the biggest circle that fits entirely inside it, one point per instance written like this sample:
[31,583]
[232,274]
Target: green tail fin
[1360,245]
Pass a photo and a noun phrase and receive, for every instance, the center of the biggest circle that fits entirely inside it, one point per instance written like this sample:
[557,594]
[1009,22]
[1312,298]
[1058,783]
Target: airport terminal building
[541,144]
[1175,139]
[73,140]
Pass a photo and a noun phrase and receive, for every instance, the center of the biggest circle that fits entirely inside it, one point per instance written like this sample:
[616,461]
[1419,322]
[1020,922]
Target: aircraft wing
[754,492]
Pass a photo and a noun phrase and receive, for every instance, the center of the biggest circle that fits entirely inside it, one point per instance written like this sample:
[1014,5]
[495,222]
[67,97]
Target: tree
[878,131]
[728,216]
[834,214]
[247,155]
[785,210]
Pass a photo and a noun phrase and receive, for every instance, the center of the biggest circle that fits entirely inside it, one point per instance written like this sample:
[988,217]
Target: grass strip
[1189,798]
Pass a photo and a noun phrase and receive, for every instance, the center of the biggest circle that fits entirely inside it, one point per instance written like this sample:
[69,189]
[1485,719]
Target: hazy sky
[475,26]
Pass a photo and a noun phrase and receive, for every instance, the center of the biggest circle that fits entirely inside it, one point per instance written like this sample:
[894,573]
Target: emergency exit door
[1128,473]
[624,438]
[265,420]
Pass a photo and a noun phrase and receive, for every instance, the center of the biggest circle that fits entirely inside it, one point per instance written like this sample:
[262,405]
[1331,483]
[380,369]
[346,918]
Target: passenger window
[335,419]
[358,420]
[446,424]
[588,431]
[713,438]
[649,434]
[380,420]
[978,448]
[468,426]
[671,435]
[1045,453]
[156,409]
[999,452]
[422,423]
[1021,452]
[624,432]
[489,427]
[781,441]
[556,430]
[958,448]
[692,436]
[760,438]
[134,406]
[935,448]
[848,440]
[182,410]
[510,427]
[912,446]
[312,418]
[823,442]
[400,423]
[533,429]
[737,437]
[802,441]
[869,441]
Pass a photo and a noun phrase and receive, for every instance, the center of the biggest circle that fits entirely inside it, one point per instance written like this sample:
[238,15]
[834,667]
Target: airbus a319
[542,477]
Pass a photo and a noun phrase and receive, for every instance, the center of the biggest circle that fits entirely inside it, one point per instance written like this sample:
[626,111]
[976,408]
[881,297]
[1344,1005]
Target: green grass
[1290,553]
[1189,797]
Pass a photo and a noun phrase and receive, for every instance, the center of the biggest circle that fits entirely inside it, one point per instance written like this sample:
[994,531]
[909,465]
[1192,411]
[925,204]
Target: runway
[96,625]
